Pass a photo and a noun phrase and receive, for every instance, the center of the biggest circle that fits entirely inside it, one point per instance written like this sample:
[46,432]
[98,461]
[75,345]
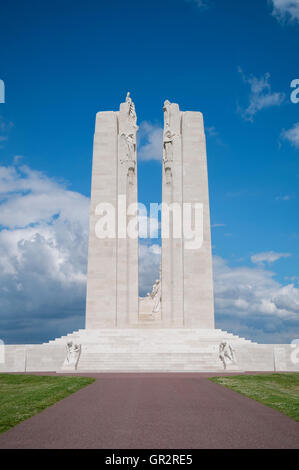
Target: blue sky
[63,61]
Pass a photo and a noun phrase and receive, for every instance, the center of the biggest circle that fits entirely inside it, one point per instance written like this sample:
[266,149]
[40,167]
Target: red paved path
[155,411]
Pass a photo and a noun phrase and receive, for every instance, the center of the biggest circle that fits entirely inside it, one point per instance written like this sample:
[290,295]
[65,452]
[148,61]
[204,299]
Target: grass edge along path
[23,396]
[278,391]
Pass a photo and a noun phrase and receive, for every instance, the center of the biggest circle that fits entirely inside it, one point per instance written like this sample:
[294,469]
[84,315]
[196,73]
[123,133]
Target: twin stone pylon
[172,329]
[186,271]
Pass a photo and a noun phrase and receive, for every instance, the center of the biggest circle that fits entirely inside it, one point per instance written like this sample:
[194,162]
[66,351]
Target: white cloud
[260,97]
[292,278]
[285,10]
[149,266]
[250,302]
[286,197]
[252,290]
[202,4]
[43,255]
[292,135]
[5,127]
[211,131]
[148,227]
[268,256]
[34,198]
[150,139]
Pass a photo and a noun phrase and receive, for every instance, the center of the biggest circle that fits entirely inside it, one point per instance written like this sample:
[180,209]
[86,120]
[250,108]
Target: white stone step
[161,361]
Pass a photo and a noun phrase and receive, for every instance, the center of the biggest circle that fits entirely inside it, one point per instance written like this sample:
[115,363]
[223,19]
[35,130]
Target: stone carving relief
[226,354]
[73,352]
[128,154]
[168,140]
[132,117]
[129,146]
[128,141]
[156,295]
[166,109]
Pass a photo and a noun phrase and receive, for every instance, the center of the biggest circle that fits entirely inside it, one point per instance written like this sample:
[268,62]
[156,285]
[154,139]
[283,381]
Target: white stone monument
[172,329]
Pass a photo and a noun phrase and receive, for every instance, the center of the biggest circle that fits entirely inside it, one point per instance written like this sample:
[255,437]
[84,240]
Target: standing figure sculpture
[131,110]
[168,140]
[226,352]
[166,109]
[129,154]
[72,355]
[168,146]
[156,296]
[129,144]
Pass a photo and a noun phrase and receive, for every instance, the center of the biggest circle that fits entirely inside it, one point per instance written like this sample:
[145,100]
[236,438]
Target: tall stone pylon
[172,271]
[186,275]
[112,279]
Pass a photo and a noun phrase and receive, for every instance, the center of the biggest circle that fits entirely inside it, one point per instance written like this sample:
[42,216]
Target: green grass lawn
[22,396]
[279,391]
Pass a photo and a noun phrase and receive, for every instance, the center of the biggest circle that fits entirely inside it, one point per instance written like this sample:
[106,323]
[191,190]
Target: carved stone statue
[166,109]
[73,352]
[131,172]
[129,145]
[168,140]
[131,110]
[226,353]
[168,175]
[128,157]
[156,296]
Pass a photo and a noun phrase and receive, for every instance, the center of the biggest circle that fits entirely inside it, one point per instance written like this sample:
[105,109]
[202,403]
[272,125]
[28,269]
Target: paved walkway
[155,411]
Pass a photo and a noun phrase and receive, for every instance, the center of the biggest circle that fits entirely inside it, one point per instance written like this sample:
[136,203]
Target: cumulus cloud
[250,302]
[150,141]
[268,256]
[286,10]
[292,135]
[260,97]
[43,254]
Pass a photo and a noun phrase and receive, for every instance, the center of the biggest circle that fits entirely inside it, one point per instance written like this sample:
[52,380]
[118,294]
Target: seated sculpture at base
[73,352]
[226,354]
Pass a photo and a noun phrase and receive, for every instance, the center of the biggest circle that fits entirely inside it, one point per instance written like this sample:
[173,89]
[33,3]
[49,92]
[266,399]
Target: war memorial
[172,329]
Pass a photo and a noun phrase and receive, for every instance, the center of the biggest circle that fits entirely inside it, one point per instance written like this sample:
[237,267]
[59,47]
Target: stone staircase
[150,350]
[148,362]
